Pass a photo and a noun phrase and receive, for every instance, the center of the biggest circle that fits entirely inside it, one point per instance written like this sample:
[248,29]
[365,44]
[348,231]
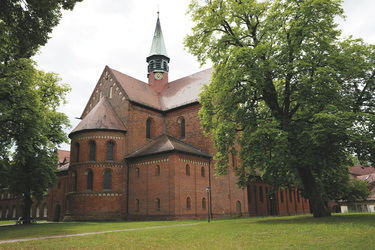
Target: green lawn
[343,231]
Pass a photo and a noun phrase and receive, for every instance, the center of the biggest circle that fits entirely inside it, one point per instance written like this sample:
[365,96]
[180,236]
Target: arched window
[157,170]
[137,172]
[45,211]
[74,176]
[38,211]
[7,212]
[136,205]
[203,203]
[90,179]
[110,92]
[77,151]
[188,203]
[187,170]
[110,146]
[1,212]
[157,204]
[282,196]
[107,179]
[238,208]
[203,172]
[261,194]
[149,128]
[92,151]
[14,212]
[182,128]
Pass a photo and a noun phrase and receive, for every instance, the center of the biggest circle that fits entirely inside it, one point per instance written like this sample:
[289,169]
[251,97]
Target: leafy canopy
[288,95]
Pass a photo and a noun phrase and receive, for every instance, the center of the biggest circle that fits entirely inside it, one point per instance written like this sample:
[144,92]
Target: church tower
[158,61]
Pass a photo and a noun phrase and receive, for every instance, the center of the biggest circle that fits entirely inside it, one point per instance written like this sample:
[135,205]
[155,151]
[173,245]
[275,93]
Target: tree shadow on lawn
[359,218]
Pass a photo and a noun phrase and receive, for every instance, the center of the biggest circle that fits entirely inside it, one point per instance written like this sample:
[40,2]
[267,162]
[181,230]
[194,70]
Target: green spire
[158,46]
[158,59]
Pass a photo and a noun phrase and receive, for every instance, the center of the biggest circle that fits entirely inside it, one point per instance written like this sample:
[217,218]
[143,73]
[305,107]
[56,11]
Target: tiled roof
[177,93]
[101,117]
[64,159]
[361,170]
[165,144]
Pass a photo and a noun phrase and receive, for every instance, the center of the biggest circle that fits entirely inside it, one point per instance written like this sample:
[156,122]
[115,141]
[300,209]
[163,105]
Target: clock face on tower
[158,76]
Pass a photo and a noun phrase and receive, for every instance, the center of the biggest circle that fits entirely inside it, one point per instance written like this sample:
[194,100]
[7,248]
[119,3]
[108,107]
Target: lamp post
[208,203]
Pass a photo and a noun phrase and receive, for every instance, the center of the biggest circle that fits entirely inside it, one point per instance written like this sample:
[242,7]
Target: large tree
[31,127]
[287,95]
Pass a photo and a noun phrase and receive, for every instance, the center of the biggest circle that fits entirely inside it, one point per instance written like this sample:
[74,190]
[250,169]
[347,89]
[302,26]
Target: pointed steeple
[158,60]
[158,46]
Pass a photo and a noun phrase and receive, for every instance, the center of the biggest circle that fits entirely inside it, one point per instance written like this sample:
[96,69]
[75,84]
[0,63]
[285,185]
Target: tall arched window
[157,170]
[6,212]
[137,172]
[14,212]
[110,92]
[203,172]
[188,203]
[107,179]
[203,203]
[110,146]
[74,175]
[187,170]
[238,208]
[77,151]
[149,128]
[282,196]
[45,211]
[1,212]
[90,179]
[38,211]
[261,194]
[157,204]
[136,205]
[182,129]
[92,151]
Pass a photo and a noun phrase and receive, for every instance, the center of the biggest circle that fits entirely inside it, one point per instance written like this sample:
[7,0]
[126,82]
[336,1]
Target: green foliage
[31,127]
[25,25]
[295,100]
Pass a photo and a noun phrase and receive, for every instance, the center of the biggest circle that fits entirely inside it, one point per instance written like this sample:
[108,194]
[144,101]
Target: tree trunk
[319,209]
[27,205]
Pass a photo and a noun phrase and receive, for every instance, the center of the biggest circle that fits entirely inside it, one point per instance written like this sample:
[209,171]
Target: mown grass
[344,231]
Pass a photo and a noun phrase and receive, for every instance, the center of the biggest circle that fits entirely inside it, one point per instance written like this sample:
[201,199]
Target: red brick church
[139,153]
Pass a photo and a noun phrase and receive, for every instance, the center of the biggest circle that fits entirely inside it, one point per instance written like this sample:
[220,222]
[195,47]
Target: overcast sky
[119,33]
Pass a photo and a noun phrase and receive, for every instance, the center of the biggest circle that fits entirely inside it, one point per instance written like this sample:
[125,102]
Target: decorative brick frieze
[193,162]
[149,162]
[96,165]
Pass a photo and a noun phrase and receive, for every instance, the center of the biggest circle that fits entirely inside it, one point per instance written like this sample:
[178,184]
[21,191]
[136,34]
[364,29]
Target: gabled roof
[101,117]
[177,93]
[64,159]
[166,144]
[184,91]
